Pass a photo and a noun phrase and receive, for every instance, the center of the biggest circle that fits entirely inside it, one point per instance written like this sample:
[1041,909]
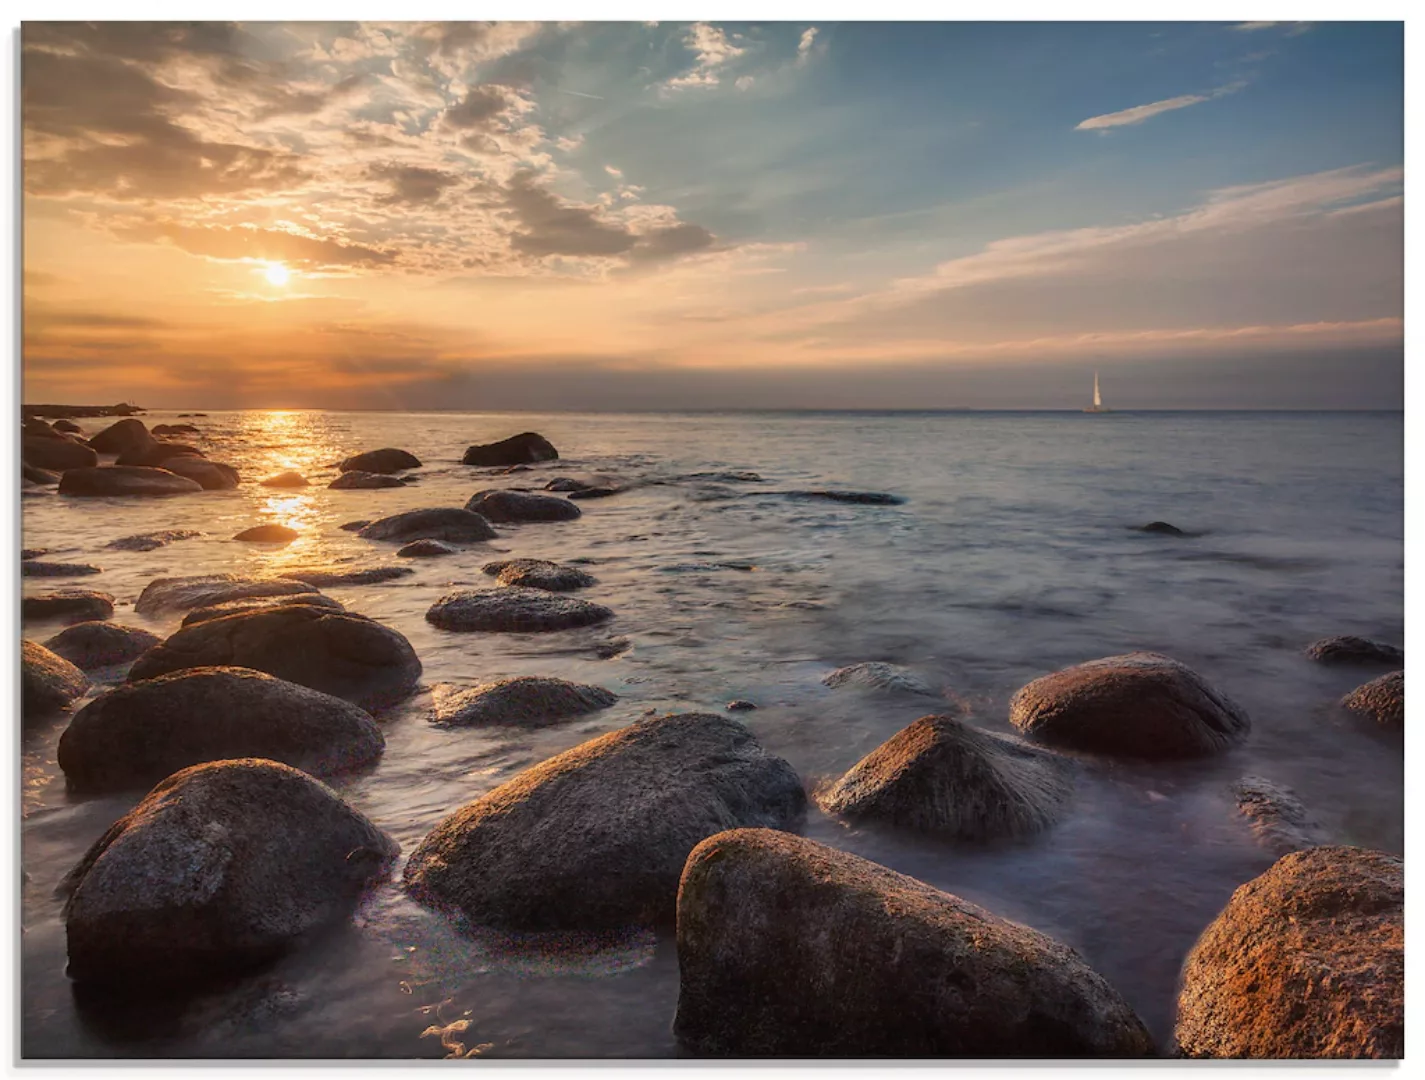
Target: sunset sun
[277,274]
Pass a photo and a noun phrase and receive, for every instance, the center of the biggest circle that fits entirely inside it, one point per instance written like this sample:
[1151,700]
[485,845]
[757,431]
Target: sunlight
[277,274]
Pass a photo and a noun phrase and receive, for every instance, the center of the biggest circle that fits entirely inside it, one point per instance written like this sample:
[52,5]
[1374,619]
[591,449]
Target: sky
[617,216]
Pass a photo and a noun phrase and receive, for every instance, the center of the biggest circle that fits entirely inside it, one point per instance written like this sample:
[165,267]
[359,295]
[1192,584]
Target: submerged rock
[69,605]
[125,480]
[596,837]
[513,610]
[386,460]
[96,644]
[35,475]
[1140,704]
[268,534]
[359,480]
[596,492]
[1277,817]
[425,549]
[174,429]
[878,676]
[289,479]
[121,436]
[355,526]
[514,506]
[567,483]
[1354,650]
[205,590]
[1305,961]
[260,603]
[528,701]
[944,776]
[138,733]
[1162,528]
[523,449]
[48,682]
[33,568]
[1381,700]
[212,475]
[790,948]
[450,523]
[150,541]
[32,553]
[60,455]
[859,498]
[538,574]
[207,876]
[369,575]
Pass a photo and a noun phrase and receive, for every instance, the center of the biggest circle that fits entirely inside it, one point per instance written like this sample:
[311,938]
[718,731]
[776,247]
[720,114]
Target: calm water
[1012,557]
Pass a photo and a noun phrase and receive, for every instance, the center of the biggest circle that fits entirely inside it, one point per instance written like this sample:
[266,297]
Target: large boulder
[121,436]
[523,449]
[157,453]
[1305,961]
[212,475]
[288,479]
[336,652]
[48,683]
[1382,701]
[1354,650]
[790,948]
[357,479]
[439,523]
[137,733]
[153,540]
[95,644]
[596,837]
[513,610]
[125,480]
[944,776]
[260,603]
[386,460]
[67,605]
[45,452]
[511,506]
[528,701]
[366,575]
[221,868]
[538,574]
[1140,704]
[68,427]
[876,675]
[205,590]
[1279,820]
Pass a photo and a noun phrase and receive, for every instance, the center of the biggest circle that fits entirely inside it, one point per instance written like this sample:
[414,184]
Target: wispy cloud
[805,44]
[1139,113]
[713,50]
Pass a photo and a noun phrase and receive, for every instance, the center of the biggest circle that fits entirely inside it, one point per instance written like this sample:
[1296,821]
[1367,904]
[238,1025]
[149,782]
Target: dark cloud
[480,109]
[671,242]
[267,244]
[412,184]
[550,226]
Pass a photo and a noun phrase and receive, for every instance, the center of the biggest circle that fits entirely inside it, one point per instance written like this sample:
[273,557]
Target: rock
[31,568]
[1305,961]
[270,533]
[156,453]
[513,610]
[137,733]
[208,876]
[45,452]
[515,469]
[369,575]
[595,493]
[422,549]
[205,590]
[121,436]
[440,523]
[739,706]
[36,475]
[53,411]
[287,479]
[68,427]
[67,605]
[351,480]
[523,449]
[790,948]
[1140,704]
[538,574]
[509,506]
[528,701]
[859,498]
[355,526]
[595,838]
[32,553]
[1381,700]
[260,603]
[336,652]
[878,676]
[48,683]
[212,475]
[150,541]
[387,460]
[1354,650]
[1162,528]
[125,480]
[566,483]
[941,775]
[1277,817]
[90,645]
[174,429]
[33,425]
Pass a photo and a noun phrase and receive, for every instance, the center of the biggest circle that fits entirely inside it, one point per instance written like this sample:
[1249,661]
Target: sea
[1014,553]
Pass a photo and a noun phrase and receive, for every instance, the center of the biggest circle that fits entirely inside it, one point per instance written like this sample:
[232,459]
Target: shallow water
[1012,556]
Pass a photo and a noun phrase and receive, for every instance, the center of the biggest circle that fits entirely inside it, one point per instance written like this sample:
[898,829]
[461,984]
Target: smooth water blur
[1012,556]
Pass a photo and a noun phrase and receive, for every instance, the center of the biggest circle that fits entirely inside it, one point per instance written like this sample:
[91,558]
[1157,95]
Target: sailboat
[1097,405]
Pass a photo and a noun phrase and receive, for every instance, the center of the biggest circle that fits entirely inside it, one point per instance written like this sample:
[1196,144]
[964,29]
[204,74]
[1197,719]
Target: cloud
[804,45]
[1139,113]
[268,245]
[714,51]
[483,108]
[412,185]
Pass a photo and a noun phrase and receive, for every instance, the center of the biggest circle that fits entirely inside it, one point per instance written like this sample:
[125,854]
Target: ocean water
[1013,555]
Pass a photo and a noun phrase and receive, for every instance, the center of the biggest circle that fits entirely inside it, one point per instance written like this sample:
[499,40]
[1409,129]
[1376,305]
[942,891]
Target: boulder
[355,526]
[205,590]
[1305,961]
[33,568]
[523,449]
[67,605]
[221,868]
[386,460]
[513,610]
[790,948]
[595,838]
[45,452]
[48,683]
[349,480]
[174,429]
[1278,820]
[137,733]
[125,480]
[212,475]
[875,675]
[1141,704]
[941,775]
[529,701]
[95,644]
[121,436]
[271,533]
[1354,650]
[566,484]
[450,523]
[36,475]
[1381,701]
[156,453]
[367,575]
[538,574]
[336,652]
[260,603]
[69,427]
[150,541]
[512,506]
[32,553]
[287,479]
[425,549]
[33,425]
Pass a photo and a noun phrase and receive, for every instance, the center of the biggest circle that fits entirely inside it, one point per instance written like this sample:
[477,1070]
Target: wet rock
[790,948]
[607,650]
[355,526]
[336,652]
[125,480]
[174,429]
[205,590]
[1305,961]
[89,645]
[514,469]
[1354,650]
[386,460]
[859,498]
[32,568]
[45,452]
[32,553]
[514,506]
[529,701]
[1381,701]
[268,534]
[424,549]
[136,734]
[739,706]
[449,523]
[260,603]
[523,449]
[538,574]
[287,479]
[566,483]
[67,605]
[68,427]
[368,575]
[36,475]
[354,480]
[207,876]
[156,453]
[513,610]
[212,475]
[1277,817]
[121,436]
[1162,528]
[596,837]
[48,682]
[878,676]
[1140,704]
[595,492]
[150,541]
[942,775]
[35,426]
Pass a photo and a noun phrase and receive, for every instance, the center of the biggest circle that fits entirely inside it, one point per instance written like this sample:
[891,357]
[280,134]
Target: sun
[277,274]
